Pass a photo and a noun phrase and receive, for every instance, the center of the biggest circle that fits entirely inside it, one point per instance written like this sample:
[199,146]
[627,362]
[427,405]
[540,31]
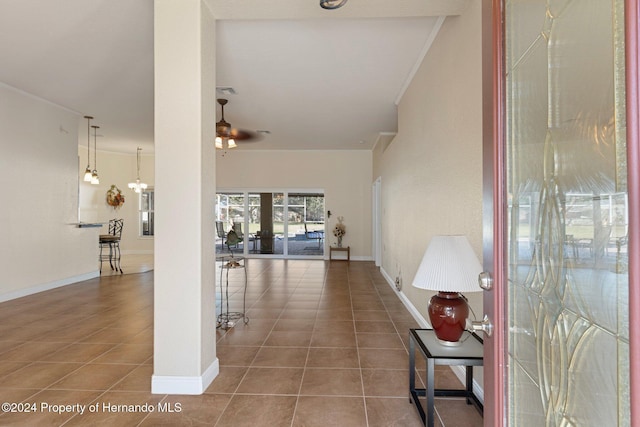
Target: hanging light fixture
[332,4]
[224,137]
[87,172]
[225,143]
[138,186]
[94,174]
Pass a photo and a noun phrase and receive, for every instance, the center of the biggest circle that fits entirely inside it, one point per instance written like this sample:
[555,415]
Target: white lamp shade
[449,265]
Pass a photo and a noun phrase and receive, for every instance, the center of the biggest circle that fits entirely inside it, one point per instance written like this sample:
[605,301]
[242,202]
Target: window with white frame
[145,212]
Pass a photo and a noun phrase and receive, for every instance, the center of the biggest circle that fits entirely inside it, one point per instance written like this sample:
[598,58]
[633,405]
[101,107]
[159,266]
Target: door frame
[493,213]
[376,195]
[494,226]
[632,52]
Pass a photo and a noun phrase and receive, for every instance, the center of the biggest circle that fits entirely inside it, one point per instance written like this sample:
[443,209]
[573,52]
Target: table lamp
[450,267]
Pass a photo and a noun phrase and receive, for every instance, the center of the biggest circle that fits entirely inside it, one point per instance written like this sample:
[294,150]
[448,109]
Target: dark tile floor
[326,345]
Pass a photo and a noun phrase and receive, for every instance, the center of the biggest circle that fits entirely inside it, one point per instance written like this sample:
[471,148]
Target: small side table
[469,354]
[226,318]
[333,249]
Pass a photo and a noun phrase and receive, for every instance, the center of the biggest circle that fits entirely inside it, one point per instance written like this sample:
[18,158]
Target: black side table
[469,353]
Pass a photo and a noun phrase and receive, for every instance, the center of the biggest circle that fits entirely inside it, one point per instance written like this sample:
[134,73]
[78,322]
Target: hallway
[325,345]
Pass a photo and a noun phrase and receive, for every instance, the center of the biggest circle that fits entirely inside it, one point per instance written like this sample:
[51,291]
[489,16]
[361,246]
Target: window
[147,202]
[273,223]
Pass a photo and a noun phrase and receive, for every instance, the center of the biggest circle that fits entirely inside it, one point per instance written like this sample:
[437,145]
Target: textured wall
[432,172]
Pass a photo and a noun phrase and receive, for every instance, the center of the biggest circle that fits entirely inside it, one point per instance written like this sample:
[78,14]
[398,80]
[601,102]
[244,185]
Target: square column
[184,279]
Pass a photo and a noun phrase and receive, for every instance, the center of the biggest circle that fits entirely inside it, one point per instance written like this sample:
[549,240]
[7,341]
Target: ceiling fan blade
[244,135]
[224,129]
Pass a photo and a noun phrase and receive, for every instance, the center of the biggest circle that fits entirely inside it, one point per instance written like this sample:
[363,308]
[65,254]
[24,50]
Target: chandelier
[138,186]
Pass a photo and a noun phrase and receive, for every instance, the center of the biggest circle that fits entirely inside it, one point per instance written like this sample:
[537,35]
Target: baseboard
[407,303]
[161,384]
[361,258]
[353,258]
[137,252]
[19,293]
[459,371]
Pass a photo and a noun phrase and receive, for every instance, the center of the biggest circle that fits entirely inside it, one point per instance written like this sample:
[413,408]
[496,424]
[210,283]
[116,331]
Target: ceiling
[315,79]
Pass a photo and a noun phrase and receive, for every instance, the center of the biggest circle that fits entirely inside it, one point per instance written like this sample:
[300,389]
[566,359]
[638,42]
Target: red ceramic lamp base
[448,312]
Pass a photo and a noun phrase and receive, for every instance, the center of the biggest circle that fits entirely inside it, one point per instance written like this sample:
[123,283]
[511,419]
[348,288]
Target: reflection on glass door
[271,223]
[305,224]
[568,336]
[271,233]
[253,223]
[230,216]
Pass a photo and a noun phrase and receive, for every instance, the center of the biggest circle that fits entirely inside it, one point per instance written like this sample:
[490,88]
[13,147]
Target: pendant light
[94,174]
[87,172]
[138,186]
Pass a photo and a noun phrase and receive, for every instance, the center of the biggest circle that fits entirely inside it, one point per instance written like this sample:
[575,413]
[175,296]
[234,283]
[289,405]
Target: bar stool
[111,241]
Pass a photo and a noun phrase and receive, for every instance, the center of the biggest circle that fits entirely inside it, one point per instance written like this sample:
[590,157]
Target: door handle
[485,281]
[483,325]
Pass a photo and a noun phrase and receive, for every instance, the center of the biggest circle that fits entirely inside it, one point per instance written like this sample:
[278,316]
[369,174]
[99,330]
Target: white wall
[344,175]
[432,171]
[40,247]
[118,169]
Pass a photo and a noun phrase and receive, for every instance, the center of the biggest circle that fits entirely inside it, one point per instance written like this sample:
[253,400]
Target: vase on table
[339,241]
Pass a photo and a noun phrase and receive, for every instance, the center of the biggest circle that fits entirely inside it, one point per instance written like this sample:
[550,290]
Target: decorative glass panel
[567,213]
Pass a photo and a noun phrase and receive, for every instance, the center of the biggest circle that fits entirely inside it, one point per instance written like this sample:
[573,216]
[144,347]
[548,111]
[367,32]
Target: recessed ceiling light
[264,132]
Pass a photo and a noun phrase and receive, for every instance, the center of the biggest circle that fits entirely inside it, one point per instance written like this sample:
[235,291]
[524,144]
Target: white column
[184,280]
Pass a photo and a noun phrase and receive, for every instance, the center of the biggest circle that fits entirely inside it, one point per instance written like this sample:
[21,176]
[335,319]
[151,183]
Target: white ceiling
[315,79]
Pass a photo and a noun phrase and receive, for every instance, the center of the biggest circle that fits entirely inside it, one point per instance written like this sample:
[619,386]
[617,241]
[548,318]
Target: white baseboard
[137,252]
[161,384]
[48,286]
[459,371]
[353,258]
[408,304]
[361,258]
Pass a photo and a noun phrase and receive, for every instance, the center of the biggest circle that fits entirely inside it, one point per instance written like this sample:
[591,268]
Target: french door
[561,145]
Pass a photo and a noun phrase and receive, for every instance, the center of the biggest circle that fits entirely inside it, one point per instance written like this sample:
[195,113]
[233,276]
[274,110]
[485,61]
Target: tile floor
[326,345]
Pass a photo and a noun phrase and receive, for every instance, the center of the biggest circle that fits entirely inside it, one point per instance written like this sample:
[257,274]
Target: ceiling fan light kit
[332,4]
[226,136]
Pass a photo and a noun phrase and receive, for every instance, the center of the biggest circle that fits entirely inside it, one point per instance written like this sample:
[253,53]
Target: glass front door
[567,214]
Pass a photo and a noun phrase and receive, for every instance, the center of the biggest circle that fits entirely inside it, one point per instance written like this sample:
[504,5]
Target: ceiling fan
[226,136]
